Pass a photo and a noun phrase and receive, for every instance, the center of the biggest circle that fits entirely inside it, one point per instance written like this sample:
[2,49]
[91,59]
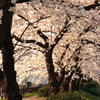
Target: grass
[91,87]
[88,91]
[63,96]
[30,94]
[76,95]
[89,96]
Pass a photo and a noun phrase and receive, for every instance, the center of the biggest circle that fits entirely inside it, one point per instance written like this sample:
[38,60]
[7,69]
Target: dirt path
[33,98]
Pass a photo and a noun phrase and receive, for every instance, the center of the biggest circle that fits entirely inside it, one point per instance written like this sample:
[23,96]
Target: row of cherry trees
[68,73]
[74,22]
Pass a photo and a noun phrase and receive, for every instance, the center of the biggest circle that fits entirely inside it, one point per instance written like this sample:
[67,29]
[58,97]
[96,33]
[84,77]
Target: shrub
[94,91]
[68,96]
[91,84]
[91,87]
[43,91]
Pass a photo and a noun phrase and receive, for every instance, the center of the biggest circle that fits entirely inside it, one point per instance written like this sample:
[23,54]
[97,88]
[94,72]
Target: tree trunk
[74,84]
[66,82]
[62,76]
[1,78]
[11,89]
[53,83]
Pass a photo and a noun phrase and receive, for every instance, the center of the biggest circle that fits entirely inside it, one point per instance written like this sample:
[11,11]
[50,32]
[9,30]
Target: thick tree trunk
[53,83]
[66,82]
[2,33]
[1,78]
[62,76]
[11,89]
[74,84]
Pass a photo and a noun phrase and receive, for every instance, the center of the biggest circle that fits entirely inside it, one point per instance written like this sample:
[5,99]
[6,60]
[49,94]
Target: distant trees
[73,35]
[70,76]
[73,23]
[48,48]
[56,82]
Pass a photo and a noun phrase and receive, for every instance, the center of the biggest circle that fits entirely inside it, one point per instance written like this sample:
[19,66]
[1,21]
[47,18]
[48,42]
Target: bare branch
[21,55]
[21,1]
[28,41]
[30,23]
[21,35]
[90,42]
[44,37]
[24,18]
[61,33]
[93,6]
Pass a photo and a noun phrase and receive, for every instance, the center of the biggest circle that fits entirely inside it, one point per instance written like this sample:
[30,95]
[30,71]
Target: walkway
[33,98]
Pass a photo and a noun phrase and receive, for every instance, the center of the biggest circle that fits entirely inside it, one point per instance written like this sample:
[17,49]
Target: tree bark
[10,87]
[66,82]
[53,83]
[1,78]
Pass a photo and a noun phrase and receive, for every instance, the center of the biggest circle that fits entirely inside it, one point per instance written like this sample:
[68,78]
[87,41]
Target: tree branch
[44,37]
[31,23]
[20,35]
[61,33]
[93,6]
[90,42]
[28,41]
[21,1]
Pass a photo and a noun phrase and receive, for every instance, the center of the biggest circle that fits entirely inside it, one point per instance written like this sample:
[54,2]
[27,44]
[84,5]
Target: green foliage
[30,94]
[81,95]
[89,96]
[91,84]
[68,96]
[43,91]
[91,87]
[90,93]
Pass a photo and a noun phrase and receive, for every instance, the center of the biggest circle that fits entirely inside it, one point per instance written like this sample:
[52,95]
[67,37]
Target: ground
[33,98]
